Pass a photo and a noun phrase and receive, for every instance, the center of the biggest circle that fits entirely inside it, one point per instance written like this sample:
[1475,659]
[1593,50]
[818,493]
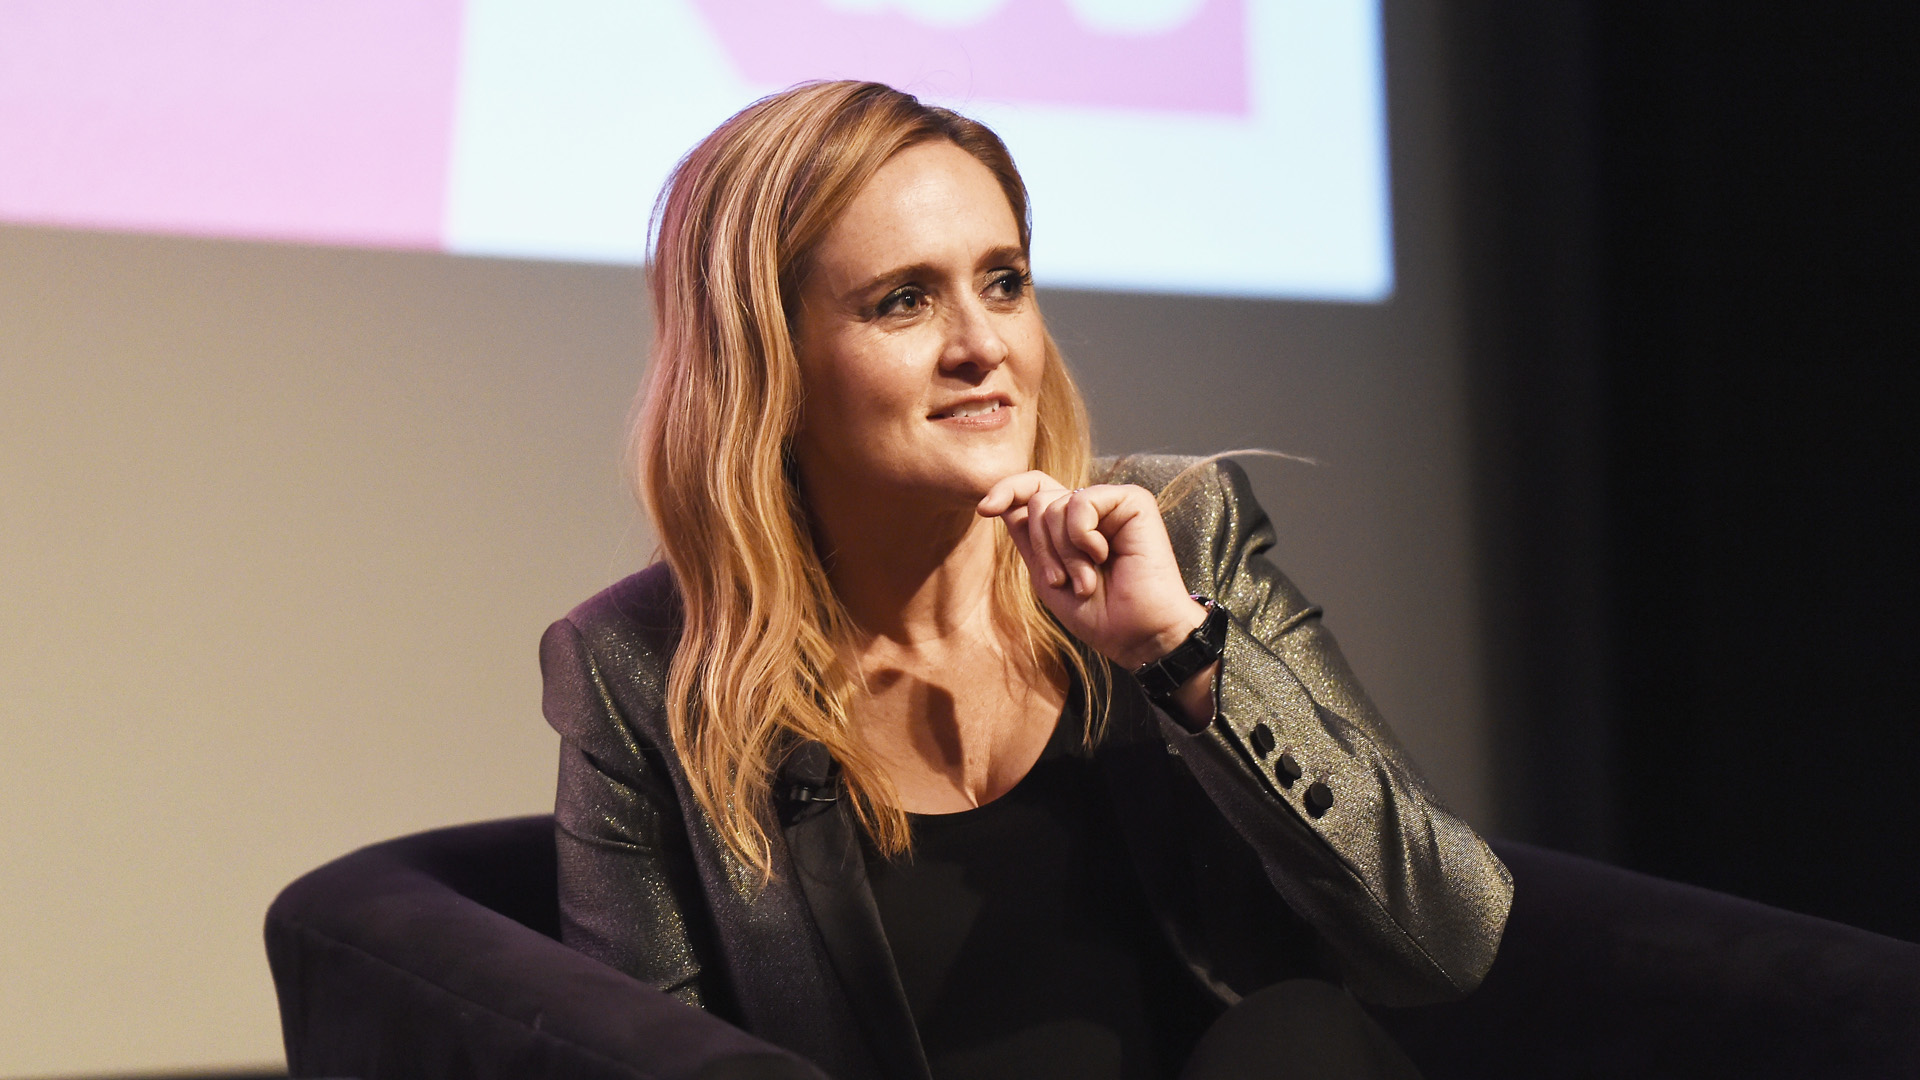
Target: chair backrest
[437,955]
[507,866]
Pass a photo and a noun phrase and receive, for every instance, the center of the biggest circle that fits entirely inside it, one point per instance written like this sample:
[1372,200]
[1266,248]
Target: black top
[1023,940]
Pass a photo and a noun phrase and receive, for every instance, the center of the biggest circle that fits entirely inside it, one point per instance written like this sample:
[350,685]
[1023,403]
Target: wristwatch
[1163,678]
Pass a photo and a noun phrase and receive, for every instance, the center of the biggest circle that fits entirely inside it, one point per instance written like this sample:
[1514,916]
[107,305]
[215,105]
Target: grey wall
[280,528]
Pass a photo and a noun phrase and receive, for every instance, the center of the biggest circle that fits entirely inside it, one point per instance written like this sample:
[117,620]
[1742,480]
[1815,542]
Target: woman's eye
[903,302]
[1010,285]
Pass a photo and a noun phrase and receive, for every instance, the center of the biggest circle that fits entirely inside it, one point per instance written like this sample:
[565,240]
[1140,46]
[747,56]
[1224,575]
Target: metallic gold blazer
[1291,836]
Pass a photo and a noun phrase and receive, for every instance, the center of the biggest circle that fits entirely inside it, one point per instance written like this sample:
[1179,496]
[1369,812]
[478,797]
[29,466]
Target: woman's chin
[978,478]
[961,488]
[959,479]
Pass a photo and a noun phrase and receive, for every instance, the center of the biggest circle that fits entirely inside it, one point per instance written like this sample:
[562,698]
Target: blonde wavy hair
[763,658]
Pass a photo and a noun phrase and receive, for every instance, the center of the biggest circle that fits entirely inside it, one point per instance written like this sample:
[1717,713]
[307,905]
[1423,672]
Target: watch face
[1164,677]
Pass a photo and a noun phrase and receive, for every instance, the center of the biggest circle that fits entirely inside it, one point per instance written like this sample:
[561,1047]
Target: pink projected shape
[1027,51]
[311,120]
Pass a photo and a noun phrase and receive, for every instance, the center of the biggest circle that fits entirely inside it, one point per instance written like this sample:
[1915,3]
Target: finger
[1122,508]
[1008,500]
[1015,518]
[1080,569]
[1046,559]
[1015,490]
[1073,561]
[1022,542]
[1083,524]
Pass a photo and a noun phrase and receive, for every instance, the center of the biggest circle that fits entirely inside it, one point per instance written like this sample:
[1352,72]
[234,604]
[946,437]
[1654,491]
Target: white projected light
[1218,146]
[1268,180]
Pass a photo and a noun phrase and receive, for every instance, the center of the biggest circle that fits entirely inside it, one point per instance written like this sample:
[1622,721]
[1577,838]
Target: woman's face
[921,349]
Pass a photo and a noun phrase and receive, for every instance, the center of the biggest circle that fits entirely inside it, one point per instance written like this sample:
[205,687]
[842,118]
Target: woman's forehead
[930,201]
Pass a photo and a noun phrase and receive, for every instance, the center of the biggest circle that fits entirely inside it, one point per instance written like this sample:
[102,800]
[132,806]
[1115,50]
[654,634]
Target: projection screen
[1228,147]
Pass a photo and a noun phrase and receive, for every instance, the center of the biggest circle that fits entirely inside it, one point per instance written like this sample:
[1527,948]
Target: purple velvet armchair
[436,955]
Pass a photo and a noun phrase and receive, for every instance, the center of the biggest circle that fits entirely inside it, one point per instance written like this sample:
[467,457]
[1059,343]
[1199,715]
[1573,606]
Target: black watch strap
[1164,677]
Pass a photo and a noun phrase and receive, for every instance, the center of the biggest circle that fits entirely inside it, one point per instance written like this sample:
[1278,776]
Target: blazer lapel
[823,841]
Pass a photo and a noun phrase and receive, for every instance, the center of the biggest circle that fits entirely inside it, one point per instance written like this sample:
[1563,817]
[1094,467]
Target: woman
[921,753]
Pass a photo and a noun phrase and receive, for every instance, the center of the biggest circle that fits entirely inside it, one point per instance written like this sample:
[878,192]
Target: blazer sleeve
[1412,902]
[628,887]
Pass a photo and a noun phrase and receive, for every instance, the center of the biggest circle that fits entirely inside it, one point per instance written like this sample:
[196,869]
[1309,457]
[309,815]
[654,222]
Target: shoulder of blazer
[647,603]
[1205,520]
[1151,471]
[623,639]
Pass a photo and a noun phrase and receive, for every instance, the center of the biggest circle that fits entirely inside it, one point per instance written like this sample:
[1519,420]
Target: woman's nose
[973,339]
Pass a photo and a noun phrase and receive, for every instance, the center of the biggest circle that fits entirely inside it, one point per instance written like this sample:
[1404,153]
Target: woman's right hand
[1100,560]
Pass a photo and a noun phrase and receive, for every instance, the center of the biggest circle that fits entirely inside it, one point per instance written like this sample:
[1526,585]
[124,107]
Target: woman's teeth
[971,410]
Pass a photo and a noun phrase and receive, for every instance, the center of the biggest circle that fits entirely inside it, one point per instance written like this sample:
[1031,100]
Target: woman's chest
[1022,940]
[955,737]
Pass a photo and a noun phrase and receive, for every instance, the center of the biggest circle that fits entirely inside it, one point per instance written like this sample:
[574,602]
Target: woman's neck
[910,577]
[954,714]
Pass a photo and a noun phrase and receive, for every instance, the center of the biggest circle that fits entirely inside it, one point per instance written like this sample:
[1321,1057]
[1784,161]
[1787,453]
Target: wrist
[1181,681]
[1193,702]
[1184,618]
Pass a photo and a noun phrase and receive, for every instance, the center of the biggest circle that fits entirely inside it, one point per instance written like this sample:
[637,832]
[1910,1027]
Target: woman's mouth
[961,412]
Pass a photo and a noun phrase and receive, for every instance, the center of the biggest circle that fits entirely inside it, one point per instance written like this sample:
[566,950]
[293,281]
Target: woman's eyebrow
[887,278]
[1005,255]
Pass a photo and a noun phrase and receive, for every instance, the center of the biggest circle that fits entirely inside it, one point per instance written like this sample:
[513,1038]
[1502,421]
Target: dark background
[1691,269]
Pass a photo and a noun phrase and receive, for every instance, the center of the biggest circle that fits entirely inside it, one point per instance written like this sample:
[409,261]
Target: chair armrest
[1609,973]
[384,970]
